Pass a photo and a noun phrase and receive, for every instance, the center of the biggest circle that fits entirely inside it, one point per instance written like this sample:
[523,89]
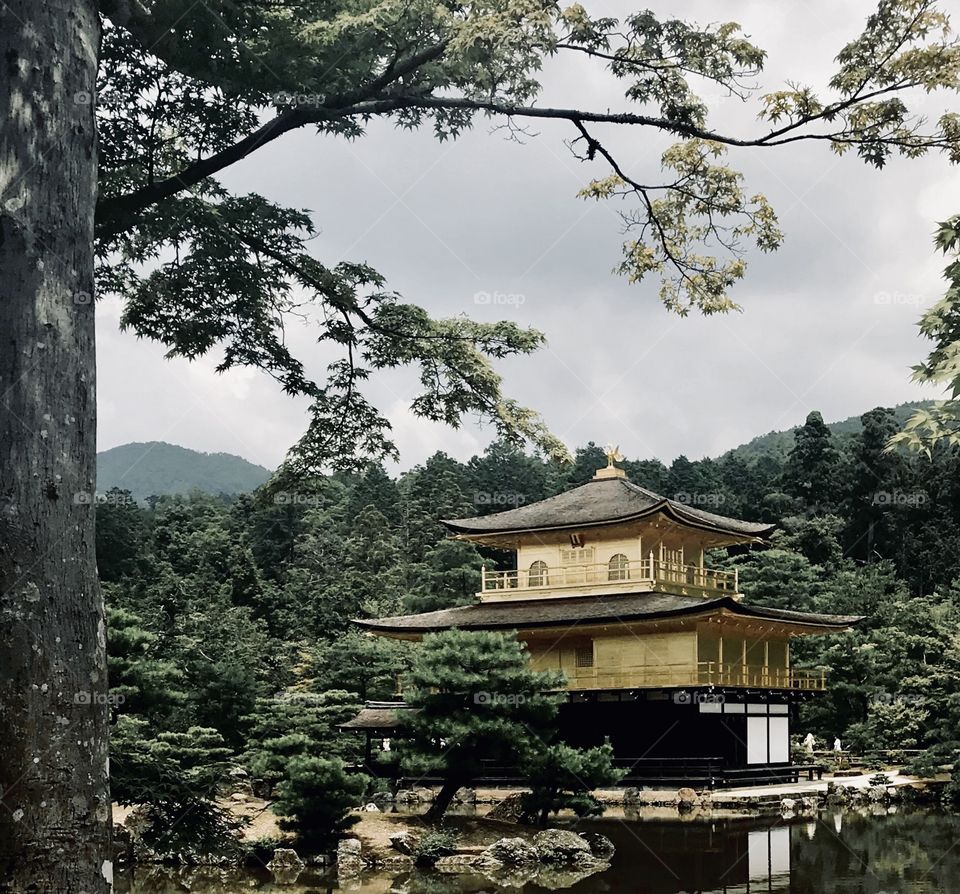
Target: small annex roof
[585,611]
[601,501]
[376,716]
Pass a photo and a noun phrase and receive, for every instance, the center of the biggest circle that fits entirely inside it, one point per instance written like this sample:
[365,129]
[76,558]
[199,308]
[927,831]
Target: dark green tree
[121,528]
[564,778]
[780,579]
[294,724]
[877,489]
[315,799]
[370,666]
[449,575]
[586,461]
[142,681]
[477,701]
[174,779]
[812,469]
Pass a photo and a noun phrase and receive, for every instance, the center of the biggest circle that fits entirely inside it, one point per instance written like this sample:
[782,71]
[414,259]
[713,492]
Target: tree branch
[116,213]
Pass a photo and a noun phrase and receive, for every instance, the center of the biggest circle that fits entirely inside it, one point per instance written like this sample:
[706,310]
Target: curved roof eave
[667,507]
[803,619]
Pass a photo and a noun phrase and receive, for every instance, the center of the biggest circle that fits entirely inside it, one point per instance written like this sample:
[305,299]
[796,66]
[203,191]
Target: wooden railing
[539,577]
[704,673]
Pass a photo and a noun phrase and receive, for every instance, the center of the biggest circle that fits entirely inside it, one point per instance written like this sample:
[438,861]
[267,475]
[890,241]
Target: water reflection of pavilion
[729,857]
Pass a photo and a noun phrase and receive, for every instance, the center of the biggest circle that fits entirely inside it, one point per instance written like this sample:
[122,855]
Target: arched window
[618,568]
[537,576]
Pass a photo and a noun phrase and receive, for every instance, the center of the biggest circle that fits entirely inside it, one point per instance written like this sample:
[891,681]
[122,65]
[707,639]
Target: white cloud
[446,221]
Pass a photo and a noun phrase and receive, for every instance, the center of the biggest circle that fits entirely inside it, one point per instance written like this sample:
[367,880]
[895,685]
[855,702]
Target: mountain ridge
[158,468]
[779,443]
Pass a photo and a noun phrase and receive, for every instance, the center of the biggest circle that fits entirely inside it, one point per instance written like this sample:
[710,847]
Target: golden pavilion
[612,585]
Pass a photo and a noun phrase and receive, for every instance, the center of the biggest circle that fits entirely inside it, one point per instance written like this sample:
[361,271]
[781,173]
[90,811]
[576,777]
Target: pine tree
[812,469]
[449,575]
[173,778]
[564,778]
[315,799]
[477,701]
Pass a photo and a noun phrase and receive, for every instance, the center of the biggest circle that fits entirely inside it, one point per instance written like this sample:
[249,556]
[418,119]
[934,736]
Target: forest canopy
[227,612]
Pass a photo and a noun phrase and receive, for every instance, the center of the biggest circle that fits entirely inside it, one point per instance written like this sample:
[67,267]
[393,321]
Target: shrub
[927,764]
[561,777]
[173,778]
[315,798]
[434,845]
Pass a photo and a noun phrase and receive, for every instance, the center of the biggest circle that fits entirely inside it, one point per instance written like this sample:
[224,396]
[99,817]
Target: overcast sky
[828,321]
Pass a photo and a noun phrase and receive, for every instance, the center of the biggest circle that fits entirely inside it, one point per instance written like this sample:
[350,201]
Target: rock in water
[465,863]
[509,809]
[561,847]
[349,861]
[512,852]
[556,878]
[686,799]
[600,846]
[286,866]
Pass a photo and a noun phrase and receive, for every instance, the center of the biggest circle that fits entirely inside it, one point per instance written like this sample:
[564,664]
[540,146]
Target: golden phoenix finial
[613,454]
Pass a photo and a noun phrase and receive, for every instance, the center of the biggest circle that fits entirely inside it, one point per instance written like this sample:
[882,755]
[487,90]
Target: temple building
[612,585]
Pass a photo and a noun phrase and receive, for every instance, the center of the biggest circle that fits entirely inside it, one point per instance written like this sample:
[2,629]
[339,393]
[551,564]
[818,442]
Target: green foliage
[315,798]
[120,532]
[228,603]
[477,700]
[938,426]
[951,793]
[563,778]
[812,470]
[433,845]
[368,666]
[929,763]
[449,575]
[296,724]
[174,778]
[141,682]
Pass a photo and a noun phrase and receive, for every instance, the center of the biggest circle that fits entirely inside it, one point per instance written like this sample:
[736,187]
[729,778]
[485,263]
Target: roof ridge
[631,485]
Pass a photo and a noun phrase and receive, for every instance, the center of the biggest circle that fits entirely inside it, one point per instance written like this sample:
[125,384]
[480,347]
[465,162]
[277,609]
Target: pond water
[835,853]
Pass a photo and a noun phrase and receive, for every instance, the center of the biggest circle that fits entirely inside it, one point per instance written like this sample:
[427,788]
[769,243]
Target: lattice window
[618,568]
[583,655]
[583,555]
[537,576]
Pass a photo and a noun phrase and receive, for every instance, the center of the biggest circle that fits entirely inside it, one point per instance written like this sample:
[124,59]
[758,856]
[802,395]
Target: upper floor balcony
[617,575]
[703,674]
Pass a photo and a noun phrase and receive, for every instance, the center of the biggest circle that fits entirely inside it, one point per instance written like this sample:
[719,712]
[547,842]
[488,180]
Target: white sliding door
[757,751]
[779,740]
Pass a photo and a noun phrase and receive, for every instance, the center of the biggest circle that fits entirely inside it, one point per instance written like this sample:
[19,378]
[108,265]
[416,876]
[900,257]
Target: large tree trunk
[443,800]
[55,807]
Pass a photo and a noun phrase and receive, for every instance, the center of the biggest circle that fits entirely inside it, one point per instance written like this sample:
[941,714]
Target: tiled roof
[377,715]
[585,610]
[601,502]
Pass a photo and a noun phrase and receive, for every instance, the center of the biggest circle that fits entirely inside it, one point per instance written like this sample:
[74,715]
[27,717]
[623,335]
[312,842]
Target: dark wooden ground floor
[702,738]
